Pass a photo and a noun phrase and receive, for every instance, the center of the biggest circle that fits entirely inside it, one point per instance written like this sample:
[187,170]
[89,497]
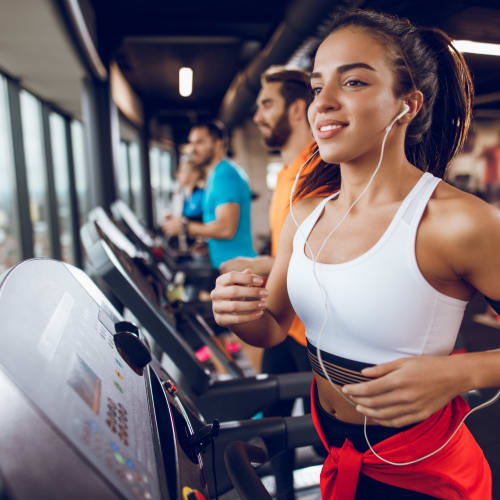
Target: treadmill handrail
[238,457]
[293,385]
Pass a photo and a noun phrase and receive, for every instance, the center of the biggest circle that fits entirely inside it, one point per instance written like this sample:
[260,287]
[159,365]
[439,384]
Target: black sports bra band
[340,370]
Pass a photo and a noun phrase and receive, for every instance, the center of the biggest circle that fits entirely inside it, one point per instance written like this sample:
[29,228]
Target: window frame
[21,187]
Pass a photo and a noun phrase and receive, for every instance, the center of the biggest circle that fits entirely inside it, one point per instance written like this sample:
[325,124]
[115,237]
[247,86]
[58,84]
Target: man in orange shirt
[282,120]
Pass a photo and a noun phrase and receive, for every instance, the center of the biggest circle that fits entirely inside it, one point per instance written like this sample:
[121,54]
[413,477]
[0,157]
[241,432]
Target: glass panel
[154,165]
[166,185]
[36,171]
[9,239]
[61,178]
[167,182]
[136,179]
[80,162]
[123,179]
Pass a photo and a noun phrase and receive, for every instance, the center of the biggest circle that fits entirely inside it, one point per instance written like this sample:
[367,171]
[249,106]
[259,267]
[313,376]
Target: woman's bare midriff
[336,405]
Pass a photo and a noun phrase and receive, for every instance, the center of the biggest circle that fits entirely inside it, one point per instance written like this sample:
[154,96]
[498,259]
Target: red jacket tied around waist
[458,471]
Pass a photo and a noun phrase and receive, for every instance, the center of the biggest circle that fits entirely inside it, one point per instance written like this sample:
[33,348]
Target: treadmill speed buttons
[127,469]
[117,420]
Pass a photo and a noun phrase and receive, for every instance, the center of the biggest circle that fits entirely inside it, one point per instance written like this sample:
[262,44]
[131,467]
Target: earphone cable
[324,296]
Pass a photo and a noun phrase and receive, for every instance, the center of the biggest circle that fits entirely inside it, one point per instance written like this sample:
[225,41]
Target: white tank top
[380,306]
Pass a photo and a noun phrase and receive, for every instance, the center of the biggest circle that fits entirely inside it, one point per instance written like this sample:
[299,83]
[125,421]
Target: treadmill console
[67,380]
[122,211]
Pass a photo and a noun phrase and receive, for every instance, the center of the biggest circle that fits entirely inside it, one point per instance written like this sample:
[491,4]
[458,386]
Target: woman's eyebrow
[346,67]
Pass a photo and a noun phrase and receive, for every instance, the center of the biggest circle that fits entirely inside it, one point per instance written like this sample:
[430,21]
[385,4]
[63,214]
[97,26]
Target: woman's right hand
[238,297]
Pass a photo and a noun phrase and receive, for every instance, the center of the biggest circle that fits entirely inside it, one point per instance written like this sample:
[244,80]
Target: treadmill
[198,270]
[234,398]
[86,413]
[195,319]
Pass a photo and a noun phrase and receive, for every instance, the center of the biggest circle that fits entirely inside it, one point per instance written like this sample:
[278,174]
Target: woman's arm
[260,316]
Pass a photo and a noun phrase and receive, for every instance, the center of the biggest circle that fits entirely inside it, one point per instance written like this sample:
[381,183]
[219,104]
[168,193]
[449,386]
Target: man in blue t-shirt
[226,203]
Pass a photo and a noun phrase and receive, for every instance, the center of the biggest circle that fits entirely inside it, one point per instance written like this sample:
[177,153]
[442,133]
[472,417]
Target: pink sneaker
[233,347]
[203,354]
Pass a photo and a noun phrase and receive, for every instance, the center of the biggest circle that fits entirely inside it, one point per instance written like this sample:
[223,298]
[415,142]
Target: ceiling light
[185,82]
[490,49]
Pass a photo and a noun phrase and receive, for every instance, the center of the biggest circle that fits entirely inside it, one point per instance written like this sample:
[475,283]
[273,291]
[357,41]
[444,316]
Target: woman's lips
[326,130]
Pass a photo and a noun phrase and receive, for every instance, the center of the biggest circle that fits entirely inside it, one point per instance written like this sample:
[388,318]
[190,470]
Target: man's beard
[280,132]
[206,160]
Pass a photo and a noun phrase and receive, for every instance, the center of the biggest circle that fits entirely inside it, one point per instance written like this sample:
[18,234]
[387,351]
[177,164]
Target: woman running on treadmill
[380,271]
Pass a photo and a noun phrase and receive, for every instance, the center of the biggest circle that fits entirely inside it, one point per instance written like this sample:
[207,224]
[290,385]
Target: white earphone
[406,108]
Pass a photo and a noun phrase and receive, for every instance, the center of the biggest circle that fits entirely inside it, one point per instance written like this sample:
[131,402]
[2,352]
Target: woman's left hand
[408,390]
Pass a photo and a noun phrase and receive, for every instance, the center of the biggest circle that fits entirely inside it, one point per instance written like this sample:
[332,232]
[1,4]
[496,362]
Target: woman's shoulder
[462,216]
[465,231]
[452,200]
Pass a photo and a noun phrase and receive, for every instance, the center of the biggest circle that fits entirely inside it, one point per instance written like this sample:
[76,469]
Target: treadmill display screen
[85,383]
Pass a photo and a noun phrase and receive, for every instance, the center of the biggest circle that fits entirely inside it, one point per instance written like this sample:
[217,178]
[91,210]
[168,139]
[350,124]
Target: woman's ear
[414,102]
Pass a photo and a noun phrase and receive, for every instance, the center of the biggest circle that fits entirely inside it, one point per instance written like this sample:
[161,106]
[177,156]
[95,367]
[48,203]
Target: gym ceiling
[229,43]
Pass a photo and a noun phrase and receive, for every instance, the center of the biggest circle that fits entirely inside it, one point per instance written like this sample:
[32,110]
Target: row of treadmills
[92,406]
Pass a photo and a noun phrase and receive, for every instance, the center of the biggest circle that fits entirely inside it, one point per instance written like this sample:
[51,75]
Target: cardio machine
[194,319]
[86,413]
[198,271]
[232,398]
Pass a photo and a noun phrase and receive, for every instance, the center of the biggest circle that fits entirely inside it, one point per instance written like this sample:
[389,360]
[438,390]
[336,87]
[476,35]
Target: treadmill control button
[130,346]
[170,387]
[190,494]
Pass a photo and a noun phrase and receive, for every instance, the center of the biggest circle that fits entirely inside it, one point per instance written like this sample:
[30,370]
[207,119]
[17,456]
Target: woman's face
[187,176]
[352,82]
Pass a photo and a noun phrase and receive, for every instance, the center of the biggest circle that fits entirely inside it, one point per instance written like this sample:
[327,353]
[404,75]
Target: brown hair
[423,59]
[294,83]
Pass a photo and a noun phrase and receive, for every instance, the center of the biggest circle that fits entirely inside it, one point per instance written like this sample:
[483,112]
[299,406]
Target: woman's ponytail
[439,131]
